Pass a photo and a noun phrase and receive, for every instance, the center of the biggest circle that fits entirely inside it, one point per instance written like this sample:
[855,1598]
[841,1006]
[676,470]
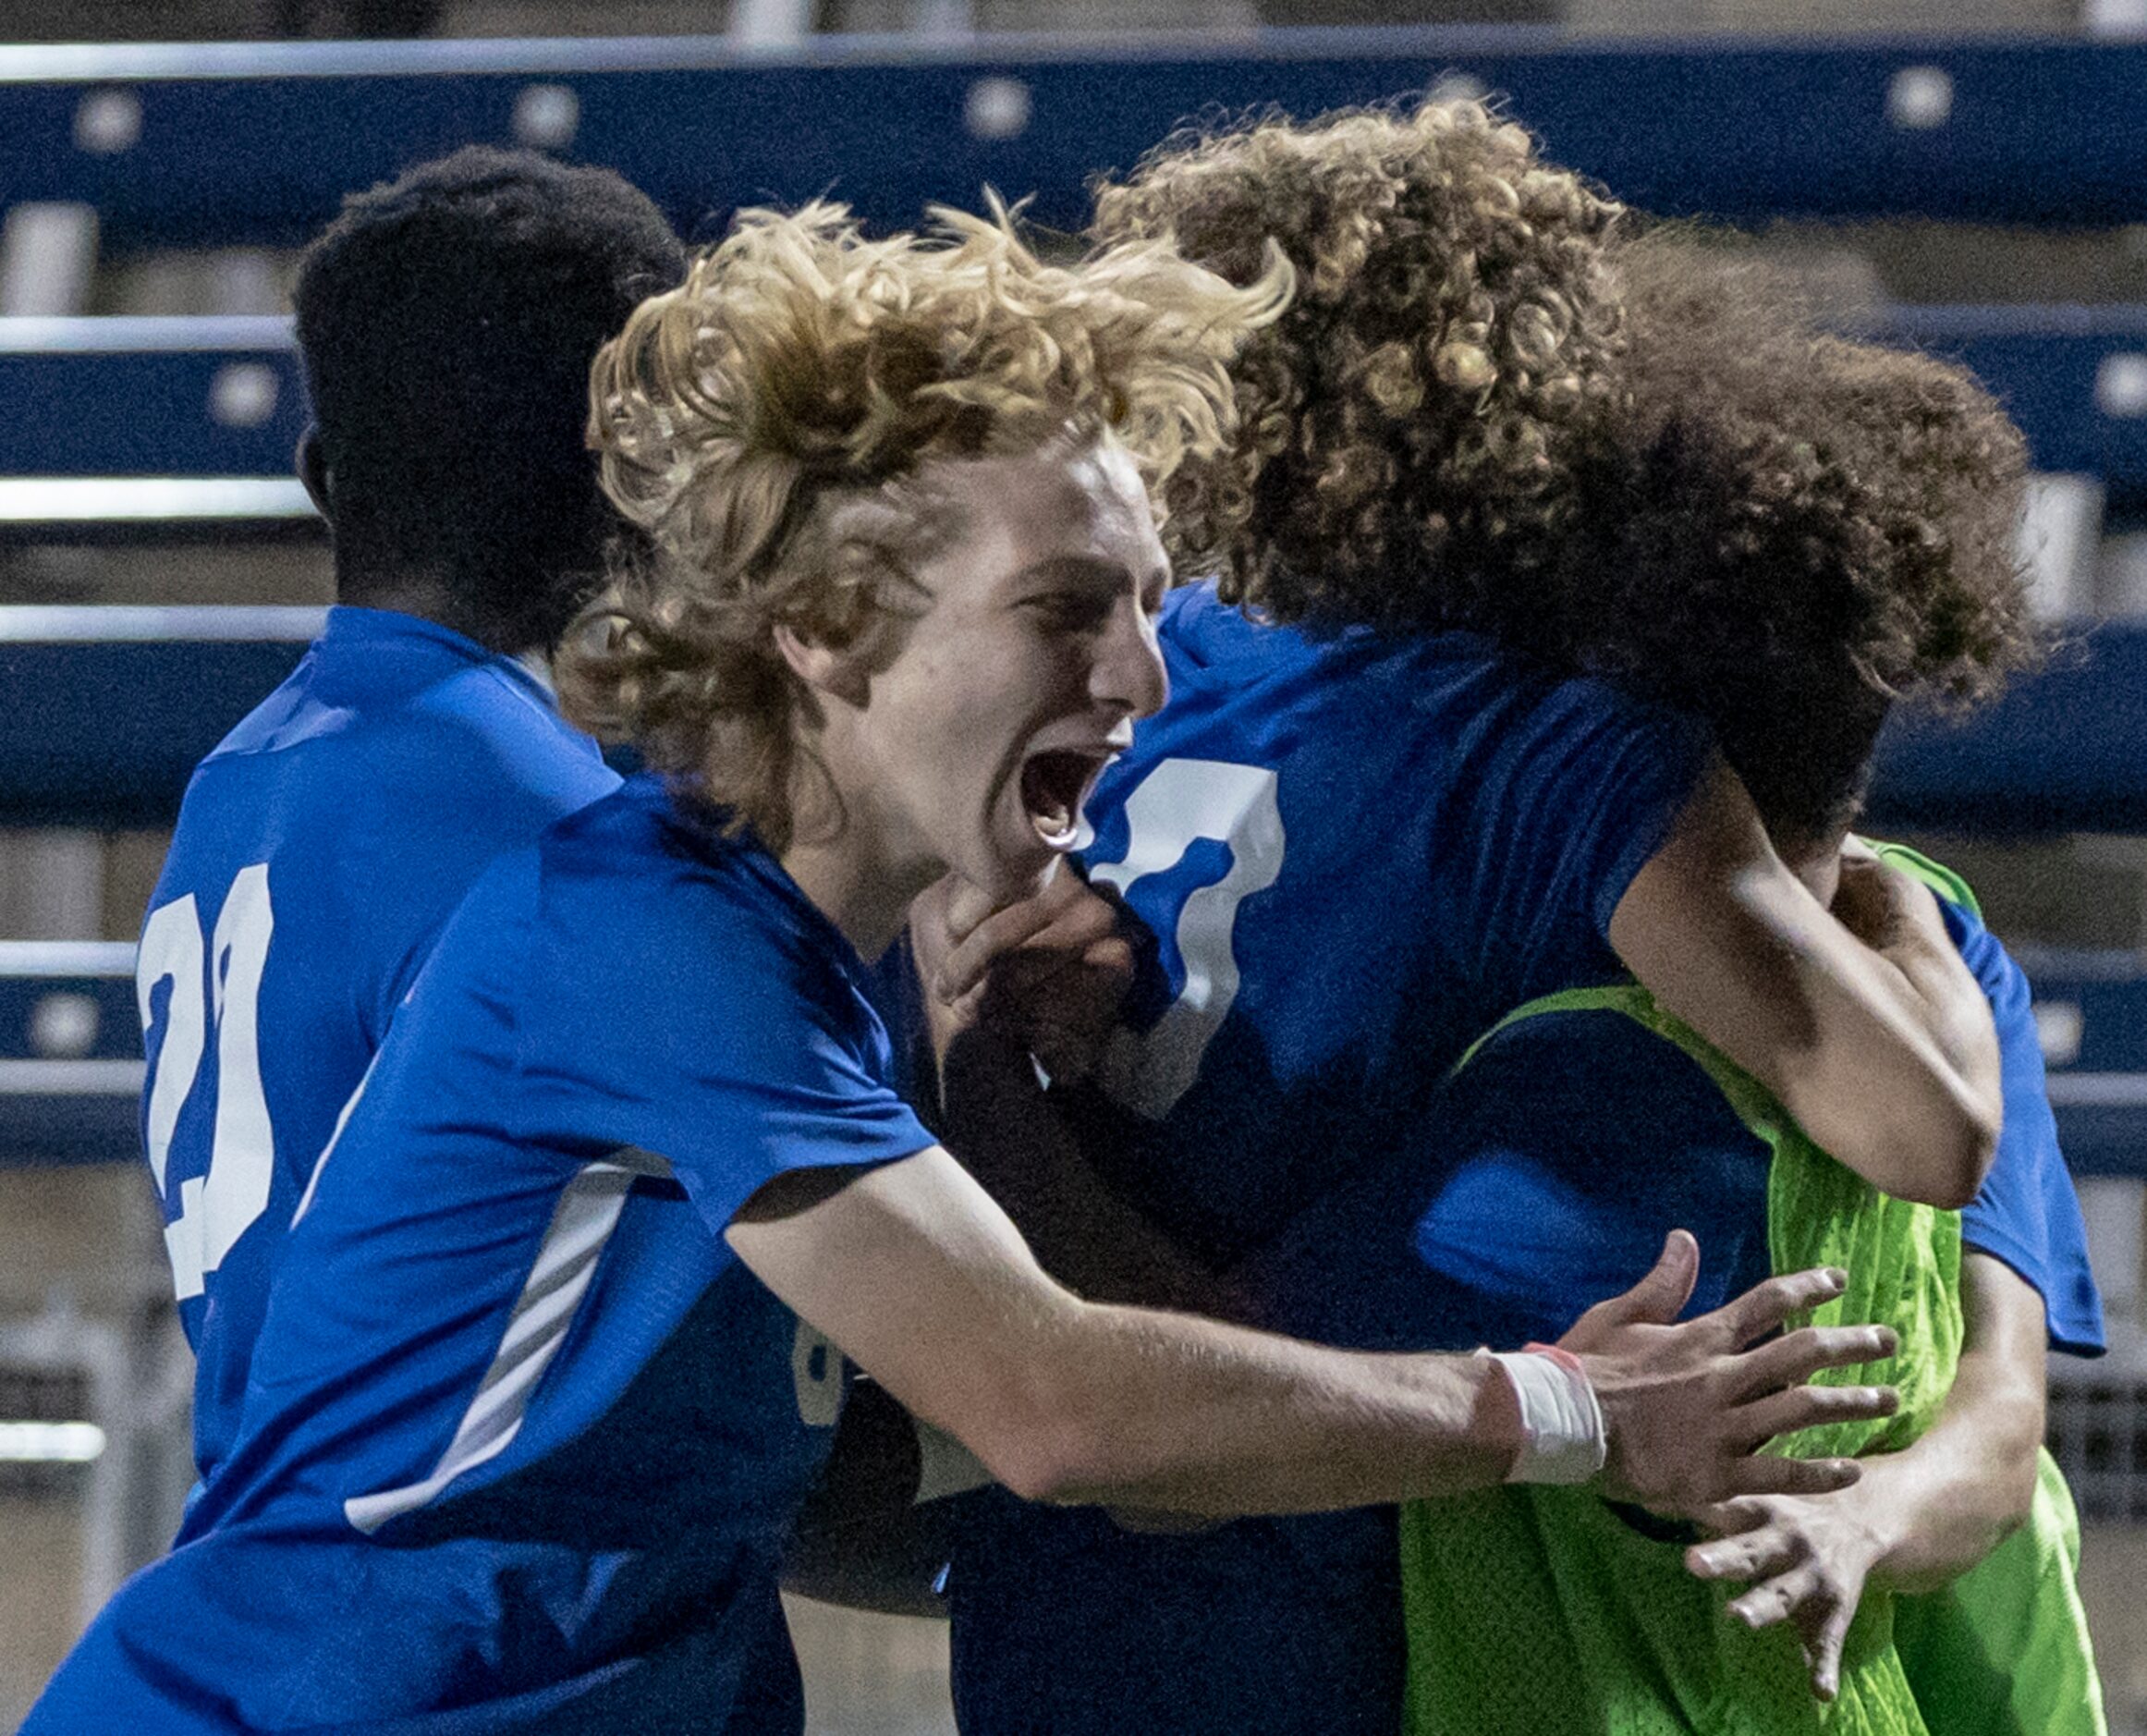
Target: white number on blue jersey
[1179,802]
[218,984]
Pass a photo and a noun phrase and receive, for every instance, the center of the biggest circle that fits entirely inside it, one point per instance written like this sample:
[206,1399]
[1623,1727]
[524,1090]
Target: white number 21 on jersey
[215,988]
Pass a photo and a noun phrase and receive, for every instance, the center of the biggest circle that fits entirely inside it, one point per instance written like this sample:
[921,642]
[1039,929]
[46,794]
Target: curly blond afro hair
[1424,397]
[765,424]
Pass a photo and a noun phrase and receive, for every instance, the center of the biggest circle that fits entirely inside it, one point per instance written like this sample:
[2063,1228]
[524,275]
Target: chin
[1008,879]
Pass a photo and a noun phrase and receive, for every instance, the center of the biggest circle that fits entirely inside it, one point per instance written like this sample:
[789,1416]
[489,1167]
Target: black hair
[1789,534]
[447,321]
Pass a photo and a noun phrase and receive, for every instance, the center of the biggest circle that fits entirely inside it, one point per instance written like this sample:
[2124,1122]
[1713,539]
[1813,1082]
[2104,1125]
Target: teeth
[1052,785]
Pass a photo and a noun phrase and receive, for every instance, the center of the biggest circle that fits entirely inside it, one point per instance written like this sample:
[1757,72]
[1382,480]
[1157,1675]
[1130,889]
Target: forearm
[1943,1503]
[1896,1082]
[866,1536]
[912,1269]
[930,1288]
[1006,1130]
[1884,1056]
[1187,1415]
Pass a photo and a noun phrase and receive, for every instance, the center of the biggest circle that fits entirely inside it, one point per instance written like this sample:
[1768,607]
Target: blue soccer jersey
[1551,1167]
[524,1437]
[319,850]
[1356,853]
[2027,1212]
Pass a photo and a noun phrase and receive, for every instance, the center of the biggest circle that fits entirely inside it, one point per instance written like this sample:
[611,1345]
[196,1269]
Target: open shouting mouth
[1054,783]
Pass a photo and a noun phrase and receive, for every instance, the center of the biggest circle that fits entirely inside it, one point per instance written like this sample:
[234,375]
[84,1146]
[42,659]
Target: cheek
[1003,684]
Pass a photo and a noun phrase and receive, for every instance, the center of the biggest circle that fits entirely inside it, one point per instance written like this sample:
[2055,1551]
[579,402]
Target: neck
[844,854]
[426,597]
[867,900]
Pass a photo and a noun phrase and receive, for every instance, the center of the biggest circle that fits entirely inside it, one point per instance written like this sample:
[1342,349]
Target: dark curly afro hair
[1785,531]
[448,320]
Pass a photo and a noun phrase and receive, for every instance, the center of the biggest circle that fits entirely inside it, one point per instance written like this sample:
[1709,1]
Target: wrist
[1563,1437]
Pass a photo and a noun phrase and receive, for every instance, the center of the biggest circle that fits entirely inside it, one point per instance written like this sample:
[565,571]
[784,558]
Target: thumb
[967,905]
[1660,1297]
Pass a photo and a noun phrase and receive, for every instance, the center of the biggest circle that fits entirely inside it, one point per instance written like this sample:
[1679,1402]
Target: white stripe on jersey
[582,1221]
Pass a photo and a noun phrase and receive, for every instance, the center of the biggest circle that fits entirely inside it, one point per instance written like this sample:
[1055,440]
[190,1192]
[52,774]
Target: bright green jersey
[1545,1611]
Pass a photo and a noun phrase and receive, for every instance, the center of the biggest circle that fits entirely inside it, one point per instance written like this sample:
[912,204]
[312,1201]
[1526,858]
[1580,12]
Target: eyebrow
[1092,572]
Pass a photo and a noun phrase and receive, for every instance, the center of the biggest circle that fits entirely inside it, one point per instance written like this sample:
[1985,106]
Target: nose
[1128,675]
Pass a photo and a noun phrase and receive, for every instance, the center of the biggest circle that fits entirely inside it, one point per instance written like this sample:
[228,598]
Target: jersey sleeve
[712,1030]
[453,790]
[1574,1142]
[2027,1212]
[1574,790]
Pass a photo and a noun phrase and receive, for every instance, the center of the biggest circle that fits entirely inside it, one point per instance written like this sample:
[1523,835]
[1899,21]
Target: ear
[312,464]
[840,674]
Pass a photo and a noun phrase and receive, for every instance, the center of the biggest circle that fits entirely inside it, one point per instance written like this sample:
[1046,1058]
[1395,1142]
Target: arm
[875,1534]
[1884,1052]
[931,1290]
[1918,1517]
[1043,978]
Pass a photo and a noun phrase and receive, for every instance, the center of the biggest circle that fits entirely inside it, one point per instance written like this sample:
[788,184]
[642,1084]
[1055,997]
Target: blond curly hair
[1425,395]
[767,421]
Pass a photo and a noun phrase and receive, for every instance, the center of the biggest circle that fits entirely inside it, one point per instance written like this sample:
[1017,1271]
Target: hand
[1810,1556]
[1049,971]
[1687,1406]
[1881,906]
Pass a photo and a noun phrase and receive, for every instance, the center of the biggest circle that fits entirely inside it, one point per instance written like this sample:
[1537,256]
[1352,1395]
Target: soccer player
[1825,530]
[532,1410]
[1359,845]
[447,322]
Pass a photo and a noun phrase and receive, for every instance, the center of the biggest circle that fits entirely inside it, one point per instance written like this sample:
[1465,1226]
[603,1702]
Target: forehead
[1064,498]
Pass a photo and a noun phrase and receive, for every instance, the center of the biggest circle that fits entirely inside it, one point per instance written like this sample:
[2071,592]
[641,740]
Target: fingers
[1800,1407]
[1732,1518]
[1794,1585]
[967,905]
[1766,1307]
[972,953]
[1657,1300]
[1066,920]
[1770,1474]
[1764,1550]
[1822,1650]
[1797,1356]
[1792,1588]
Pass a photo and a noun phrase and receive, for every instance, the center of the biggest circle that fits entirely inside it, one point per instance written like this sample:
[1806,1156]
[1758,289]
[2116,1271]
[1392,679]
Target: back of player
[324,843]
[320,849]
[1353,851]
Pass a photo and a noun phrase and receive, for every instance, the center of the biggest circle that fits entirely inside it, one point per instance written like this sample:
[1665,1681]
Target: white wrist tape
[1562,1433]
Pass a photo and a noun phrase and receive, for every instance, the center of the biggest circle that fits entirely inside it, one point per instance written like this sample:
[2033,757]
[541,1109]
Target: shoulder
[640,888]
[1594,1078]
[2002,981]
[493,719]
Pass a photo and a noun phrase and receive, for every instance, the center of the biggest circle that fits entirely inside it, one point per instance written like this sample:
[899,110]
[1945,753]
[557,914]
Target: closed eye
[1075,611]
